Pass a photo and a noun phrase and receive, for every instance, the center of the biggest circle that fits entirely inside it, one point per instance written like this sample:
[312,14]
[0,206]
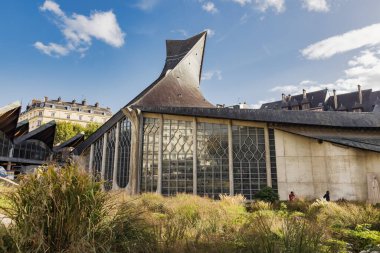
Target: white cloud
[261,102]
[146,5]
[53,7]
[242,2]
[363,69]
[364,37]
[210,32]
[264,5]
[211,74]
[52,49]
[316,5]
[79,30]
[210,7]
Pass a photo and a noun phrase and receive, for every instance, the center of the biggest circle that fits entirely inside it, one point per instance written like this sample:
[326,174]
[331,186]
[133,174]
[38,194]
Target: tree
[66,130]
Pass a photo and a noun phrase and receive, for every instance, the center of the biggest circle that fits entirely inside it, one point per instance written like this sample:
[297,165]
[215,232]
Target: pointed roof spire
[178,84]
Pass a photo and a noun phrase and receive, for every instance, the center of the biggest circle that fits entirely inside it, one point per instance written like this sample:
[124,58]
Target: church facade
[169,139]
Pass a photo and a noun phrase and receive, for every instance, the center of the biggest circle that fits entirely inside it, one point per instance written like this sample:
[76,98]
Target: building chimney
[335,100]
[283,97]
[289,97]
[74,101]
[59,99]
[304,93]
[360,94]
[97,104]
[84,102]
[46,99]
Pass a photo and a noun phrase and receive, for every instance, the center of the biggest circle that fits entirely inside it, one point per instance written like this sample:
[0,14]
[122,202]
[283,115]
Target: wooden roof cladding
[8,119]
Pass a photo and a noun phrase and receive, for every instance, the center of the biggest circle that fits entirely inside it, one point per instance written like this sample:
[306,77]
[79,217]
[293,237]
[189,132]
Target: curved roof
[179,81]
[177,85]
[8,118]
[311,118]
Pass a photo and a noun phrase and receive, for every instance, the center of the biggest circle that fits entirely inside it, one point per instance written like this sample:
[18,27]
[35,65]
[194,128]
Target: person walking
[292,196]
[327,196]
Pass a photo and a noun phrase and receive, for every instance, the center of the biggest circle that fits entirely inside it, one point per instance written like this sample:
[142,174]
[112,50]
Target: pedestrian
[292,196]
[327,196]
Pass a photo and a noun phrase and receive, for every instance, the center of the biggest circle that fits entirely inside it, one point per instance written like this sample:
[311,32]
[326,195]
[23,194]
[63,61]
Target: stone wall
[310,168]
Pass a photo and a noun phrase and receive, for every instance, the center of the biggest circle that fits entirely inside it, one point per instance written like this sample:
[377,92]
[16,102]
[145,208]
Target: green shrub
[64,210]
[360,238]
[267,194]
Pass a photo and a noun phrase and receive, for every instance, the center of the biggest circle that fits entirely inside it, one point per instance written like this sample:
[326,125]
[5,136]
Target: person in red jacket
[292,196]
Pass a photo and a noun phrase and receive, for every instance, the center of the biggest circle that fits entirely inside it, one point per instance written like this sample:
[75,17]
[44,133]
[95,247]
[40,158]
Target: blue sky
[108,51]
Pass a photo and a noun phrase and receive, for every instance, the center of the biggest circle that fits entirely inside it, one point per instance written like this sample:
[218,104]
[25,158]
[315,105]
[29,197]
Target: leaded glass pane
[124,153]
[33,150]
[149,168]
[212,160]
[110,158]
[177,160]
[273,165]
[97,160]
[249,160]
[5,145]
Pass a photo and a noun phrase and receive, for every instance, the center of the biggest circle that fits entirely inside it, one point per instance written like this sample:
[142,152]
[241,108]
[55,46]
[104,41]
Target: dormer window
[68,107]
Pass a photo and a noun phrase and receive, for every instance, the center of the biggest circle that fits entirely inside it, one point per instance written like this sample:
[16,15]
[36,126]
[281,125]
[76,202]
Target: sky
[109,51]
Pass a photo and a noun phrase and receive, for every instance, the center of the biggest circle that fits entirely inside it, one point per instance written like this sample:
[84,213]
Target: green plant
[267,194]
[65,210]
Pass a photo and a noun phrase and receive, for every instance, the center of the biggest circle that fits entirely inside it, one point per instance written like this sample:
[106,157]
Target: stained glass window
[273,165]
[149,168]
[5,145]
[32,149]
[177,160]
[124,153]
[110,158]
[212,160]
[97,158]
[248,160]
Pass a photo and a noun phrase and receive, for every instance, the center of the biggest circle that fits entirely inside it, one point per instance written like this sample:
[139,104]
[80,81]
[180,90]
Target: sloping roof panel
[44,133]
[8,118]
[316,118]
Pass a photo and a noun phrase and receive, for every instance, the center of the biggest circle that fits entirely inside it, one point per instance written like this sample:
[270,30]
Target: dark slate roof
[313,118]
[367,140]
[8,119]
[22,128]
[167,91]
[71,143]
[316,99]
[99,132]
[350,101]
[44,133]
[161,93]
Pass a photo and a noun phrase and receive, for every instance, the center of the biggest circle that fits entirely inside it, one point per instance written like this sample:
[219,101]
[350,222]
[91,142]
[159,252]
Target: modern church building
[170,139]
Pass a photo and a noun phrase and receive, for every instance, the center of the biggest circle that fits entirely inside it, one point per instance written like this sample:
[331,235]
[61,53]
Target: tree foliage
[67,130]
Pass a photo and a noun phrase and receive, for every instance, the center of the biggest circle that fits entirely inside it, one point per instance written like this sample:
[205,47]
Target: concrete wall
[310,168]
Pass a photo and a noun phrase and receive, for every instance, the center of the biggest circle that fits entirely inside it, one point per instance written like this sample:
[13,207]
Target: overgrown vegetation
[64,210]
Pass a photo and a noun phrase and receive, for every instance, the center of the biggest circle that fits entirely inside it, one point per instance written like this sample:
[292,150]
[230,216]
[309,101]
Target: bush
[64,210]
[267,194]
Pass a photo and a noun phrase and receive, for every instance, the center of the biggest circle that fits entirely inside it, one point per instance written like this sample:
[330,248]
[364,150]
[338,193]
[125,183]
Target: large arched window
[177,159]
[110,158]
[212,160]
[98,155]
[250,174]
[149,172]
[124,153]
